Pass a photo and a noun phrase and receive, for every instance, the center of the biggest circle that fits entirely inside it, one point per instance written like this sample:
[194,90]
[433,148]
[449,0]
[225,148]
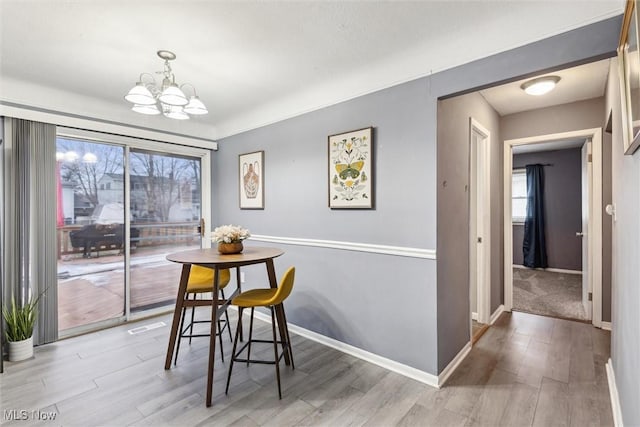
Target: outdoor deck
[92,290]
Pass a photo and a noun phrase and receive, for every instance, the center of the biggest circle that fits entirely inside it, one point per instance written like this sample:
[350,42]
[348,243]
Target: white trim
[507,161]
[595,221]
[496,314]
[595,225]
[553,270]
[474,316]
[613,394]
[392,365]
[482,156]
[60,119]
[350,246]
[605,325]
[453,365]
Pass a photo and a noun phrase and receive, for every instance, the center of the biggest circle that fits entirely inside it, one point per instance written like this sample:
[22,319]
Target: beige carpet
[548,293]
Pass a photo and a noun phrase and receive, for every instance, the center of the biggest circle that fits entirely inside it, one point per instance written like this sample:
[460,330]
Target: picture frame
[350,171]
[251,180]
[629,73]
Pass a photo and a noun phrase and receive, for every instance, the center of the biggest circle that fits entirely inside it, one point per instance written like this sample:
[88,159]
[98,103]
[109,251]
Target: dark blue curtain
[534,245]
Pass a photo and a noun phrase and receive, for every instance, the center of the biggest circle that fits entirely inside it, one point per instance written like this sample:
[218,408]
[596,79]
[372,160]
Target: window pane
[165,214]
[518,195]
[90,232]
[519,184]
[519,209]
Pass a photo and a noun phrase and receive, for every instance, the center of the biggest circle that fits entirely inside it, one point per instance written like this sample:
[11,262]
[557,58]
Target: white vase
[20,350]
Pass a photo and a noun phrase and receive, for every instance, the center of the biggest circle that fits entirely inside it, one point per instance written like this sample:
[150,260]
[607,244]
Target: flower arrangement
[229,234]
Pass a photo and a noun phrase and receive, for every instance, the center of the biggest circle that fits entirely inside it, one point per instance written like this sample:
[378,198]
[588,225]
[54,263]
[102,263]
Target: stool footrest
[235,358]
[224,323]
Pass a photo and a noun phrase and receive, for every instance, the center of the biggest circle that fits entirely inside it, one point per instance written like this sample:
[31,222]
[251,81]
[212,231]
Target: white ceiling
[576,84]
[253,62]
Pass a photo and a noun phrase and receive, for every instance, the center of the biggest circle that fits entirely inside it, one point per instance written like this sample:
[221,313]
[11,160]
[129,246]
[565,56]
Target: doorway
[592,217]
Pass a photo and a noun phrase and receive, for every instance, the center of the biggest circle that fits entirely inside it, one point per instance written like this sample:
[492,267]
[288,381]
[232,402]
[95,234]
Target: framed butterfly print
[350,170]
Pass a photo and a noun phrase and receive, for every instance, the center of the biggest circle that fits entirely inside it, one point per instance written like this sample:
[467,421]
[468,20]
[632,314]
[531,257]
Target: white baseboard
[605,325]
[392,365]
[553,270]
[474,316]
[496,314]
[453,365]
[613,394]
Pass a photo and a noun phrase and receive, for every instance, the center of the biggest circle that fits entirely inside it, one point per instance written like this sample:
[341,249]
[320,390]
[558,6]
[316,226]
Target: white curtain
[30,262]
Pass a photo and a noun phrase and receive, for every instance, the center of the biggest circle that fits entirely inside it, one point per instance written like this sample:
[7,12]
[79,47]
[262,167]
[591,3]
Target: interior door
[586,237]
[474,263]
[479,244]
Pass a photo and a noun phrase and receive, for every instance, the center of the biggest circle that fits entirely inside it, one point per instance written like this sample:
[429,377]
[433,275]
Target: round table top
[211,256]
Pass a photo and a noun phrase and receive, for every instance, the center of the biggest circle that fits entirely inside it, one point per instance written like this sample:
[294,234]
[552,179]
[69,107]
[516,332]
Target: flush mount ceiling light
[168,98]
[540,86]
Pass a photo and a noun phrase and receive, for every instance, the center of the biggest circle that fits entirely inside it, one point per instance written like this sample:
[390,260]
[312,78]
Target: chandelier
[169,99]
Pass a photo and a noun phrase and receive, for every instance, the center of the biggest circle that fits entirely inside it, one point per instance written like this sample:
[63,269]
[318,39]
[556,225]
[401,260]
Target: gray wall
[562,207]
[625,321]
[346,294]
[454,204]
[560,118]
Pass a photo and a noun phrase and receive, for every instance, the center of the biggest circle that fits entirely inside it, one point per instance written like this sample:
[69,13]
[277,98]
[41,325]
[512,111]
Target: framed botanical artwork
[350,170]
[629,67]
[251,184]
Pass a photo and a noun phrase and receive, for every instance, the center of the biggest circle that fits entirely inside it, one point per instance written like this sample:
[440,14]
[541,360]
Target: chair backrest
[204,276]
[284,287]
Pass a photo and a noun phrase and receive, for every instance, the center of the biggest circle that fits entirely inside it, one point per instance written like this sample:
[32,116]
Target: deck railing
[151,234]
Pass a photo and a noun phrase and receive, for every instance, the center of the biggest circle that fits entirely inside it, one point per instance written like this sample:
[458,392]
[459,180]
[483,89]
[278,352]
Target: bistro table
[212,259]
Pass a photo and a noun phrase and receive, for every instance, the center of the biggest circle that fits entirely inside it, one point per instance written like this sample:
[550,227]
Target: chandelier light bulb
[90,158]
[71,156]
[174,112]
[141,95]
[172,95]
[150,110]
[195,106]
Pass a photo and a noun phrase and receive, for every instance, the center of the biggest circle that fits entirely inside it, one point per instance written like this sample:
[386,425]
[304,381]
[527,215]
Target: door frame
[481,281]
[595,221]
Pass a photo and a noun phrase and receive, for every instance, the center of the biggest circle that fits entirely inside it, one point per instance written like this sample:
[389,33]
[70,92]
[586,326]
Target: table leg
[212,336]
[238,283]
[273,282]
[184,279]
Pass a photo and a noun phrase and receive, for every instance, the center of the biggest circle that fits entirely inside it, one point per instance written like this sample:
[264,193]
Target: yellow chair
[264,298]
[201,281]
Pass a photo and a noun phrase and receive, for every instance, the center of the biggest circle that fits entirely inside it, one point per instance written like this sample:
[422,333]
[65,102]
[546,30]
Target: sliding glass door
[123,205]
[90,230]
[165,211]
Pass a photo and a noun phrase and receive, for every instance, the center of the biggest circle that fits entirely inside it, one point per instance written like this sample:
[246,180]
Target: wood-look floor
[525,370]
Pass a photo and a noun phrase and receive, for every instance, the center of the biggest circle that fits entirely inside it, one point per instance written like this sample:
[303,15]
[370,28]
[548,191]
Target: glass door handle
[201,227]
